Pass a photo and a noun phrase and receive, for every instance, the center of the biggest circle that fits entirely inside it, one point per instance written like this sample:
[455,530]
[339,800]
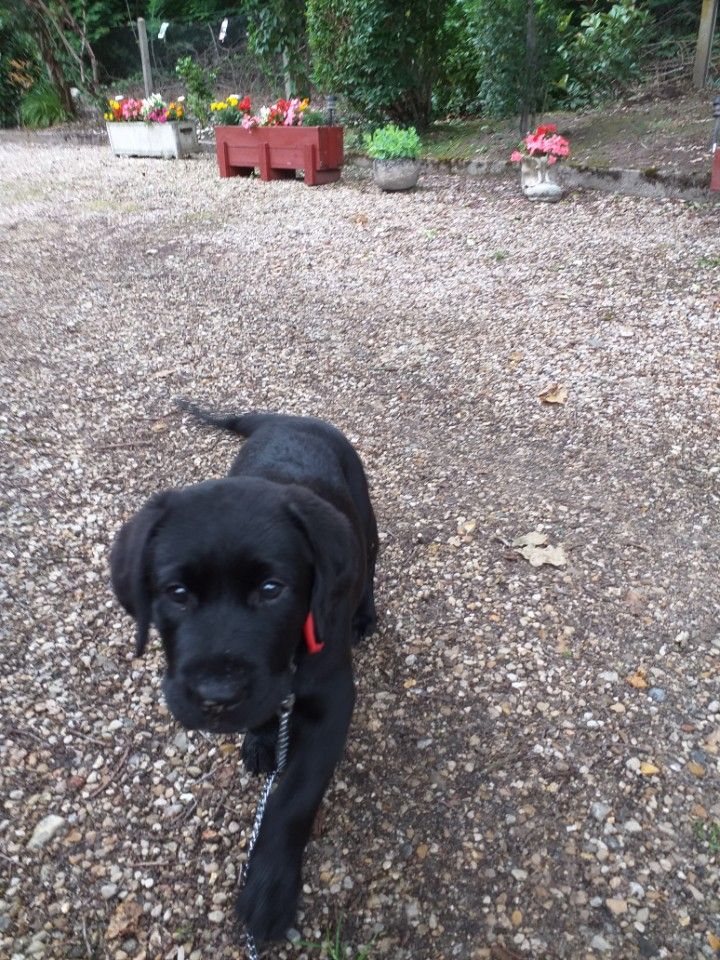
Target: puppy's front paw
[258,751]
[268,902]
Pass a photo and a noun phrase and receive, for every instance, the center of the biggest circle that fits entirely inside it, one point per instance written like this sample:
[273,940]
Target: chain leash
[283,742]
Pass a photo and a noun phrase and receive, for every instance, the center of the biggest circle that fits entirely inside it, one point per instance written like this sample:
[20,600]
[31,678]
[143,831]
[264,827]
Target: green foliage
[383,56]
[19,68]
[276,28]
[41,106]
[456,88]
[314,118]
[333,947]
[505,79]
[603,57]
[199,82]
[393,143]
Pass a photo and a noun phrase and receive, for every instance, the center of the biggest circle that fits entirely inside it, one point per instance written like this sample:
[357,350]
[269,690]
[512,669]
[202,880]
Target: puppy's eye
[270,589]
[178,594]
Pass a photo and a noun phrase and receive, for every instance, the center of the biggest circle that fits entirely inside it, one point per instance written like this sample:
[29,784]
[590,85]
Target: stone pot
[537,179]
[401,174]
[136,138]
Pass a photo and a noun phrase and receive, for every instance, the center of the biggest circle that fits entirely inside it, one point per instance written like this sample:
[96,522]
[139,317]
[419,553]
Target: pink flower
[552,159]
[516,156]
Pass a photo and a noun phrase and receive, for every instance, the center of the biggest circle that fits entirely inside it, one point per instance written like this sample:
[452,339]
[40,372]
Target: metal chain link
[281,753]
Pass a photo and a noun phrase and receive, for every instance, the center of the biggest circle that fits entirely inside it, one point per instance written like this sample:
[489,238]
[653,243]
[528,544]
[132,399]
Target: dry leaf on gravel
[649,769]
[713,941]
[124,920]
[554,394]
[532,539]
[537,556]
[637,679]
[636,602]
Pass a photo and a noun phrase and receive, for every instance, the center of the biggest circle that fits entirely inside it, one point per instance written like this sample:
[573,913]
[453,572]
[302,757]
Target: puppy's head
[227,572]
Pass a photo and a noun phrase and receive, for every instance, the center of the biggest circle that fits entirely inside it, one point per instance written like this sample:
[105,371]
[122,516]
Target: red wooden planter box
[280,151]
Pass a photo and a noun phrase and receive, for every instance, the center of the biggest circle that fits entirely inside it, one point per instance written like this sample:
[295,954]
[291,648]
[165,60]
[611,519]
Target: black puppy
[258,584]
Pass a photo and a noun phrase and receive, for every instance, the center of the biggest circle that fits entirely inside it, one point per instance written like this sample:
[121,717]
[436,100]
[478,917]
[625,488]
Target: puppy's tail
[243,424]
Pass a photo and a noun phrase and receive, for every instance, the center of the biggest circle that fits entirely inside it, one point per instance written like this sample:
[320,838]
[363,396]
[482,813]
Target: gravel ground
[532,769]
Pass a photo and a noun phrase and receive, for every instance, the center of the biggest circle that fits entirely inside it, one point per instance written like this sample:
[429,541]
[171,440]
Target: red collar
[311,641]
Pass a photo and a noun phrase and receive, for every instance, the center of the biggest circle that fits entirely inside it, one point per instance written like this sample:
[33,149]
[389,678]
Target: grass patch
[708,832]
[332,946]
[709,262]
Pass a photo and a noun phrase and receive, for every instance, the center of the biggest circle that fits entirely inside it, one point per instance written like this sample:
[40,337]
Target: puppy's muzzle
[218,694]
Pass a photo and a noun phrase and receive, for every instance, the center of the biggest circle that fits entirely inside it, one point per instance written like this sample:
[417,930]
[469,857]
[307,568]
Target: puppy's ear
[129,565]
[337,556]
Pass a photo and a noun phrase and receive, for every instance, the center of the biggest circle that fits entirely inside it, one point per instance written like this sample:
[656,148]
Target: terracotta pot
[537,179]
[401,174]
[279,151]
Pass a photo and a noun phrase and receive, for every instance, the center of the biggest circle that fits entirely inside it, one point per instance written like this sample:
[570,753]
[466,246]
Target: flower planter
[279,151]
[174,139]
[401,174]
[537,179]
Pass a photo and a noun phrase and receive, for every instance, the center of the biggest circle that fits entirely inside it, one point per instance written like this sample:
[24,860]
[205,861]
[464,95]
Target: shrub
[41,106]
[505,80]
[383,56]
[393,143]
[199,83]
[604,55]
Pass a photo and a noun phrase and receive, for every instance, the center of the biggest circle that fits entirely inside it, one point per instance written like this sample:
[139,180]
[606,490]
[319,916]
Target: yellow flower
[233,101]
[113,104]
[304,104]
[107,116]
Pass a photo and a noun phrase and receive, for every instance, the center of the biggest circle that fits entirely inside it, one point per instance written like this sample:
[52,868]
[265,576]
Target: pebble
[108,891]
[632,826]
[46,830]
[657,694]
[600,943]
[599,810]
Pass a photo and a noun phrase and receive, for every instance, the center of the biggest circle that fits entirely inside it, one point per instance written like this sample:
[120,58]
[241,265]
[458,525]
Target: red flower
[547,128]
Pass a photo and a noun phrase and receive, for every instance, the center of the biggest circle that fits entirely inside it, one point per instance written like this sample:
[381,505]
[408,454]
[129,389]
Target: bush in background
[41,106]
[199,83]
[604,56]
[381,55]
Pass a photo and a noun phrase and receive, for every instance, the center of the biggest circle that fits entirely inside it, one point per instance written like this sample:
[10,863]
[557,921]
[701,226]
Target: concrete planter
[537,180]
[279,151]
[171,140]
[401,174]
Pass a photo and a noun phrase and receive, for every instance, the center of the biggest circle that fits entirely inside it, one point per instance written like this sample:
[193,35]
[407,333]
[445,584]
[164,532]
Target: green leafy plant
[604,56]
[333,948]
[314,118]
[199,82]
[505,79]
[393,143]
[381,55]
[708,833]
[41,106]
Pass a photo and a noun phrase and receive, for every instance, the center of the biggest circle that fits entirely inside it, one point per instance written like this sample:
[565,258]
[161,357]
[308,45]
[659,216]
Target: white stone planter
[174,139]
[396,174]
[537,179]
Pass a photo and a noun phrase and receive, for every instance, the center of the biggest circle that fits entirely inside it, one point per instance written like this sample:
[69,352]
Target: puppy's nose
[219,692]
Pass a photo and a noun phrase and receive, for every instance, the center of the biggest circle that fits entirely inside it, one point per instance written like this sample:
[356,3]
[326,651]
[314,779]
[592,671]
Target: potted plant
[394,152]
[276,140]
[537,155]
[149,128]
